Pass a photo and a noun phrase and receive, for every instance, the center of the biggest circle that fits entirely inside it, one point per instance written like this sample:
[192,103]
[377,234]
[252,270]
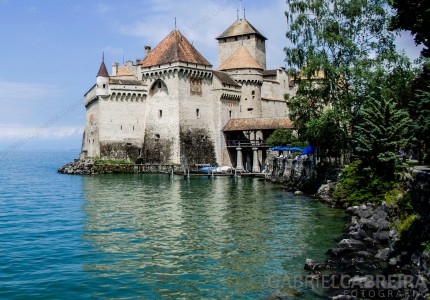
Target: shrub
[359,185]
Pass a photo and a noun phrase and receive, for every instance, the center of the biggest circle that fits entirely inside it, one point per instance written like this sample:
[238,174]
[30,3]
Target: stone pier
[239,164]
[255,164]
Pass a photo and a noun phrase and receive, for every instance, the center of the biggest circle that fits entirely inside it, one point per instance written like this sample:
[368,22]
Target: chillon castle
[173,104]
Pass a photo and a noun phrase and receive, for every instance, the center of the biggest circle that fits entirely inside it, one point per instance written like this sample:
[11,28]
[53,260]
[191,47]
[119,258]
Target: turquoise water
[151,236]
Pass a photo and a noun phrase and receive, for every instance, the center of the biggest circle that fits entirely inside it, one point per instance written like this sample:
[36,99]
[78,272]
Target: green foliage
[113,161]
[404,224]
[281,137]
[426,249]
[421,125]
[414,16]
[359,185]
[380,132]
[339,49]
[285,137]
[326,134]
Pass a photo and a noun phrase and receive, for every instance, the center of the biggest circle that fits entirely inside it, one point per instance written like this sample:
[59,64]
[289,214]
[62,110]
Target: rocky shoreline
[360,265]
[90,167]
[371,261]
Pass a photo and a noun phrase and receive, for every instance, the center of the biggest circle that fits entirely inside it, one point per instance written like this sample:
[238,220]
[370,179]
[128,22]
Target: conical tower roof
[103,71]
[240,59]
[174,48]
[240,27]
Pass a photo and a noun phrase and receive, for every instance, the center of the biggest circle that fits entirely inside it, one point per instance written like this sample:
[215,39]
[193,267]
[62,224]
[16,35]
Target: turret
[102,80]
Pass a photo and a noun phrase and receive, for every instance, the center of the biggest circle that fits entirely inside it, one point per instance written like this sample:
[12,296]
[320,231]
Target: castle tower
[179,116]
[245,70]
[102,79]
[90,141]
[242,34]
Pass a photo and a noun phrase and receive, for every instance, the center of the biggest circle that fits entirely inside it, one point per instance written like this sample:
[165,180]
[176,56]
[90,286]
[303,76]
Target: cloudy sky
[51,51]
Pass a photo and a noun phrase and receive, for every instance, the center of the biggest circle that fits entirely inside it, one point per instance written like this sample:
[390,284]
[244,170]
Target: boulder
[383,254]
[382,236]
[352,244]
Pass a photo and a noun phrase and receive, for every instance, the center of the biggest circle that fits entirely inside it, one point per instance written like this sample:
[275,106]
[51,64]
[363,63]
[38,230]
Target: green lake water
[153,236]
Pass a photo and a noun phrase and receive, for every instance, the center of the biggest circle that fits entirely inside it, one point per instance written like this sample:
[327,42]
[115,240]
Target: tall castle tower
[179,115]
[242,54]
[242,34]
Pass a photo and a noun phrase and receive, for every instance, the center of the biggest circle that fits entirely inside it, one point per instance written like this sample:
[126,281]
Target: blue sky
[51,51]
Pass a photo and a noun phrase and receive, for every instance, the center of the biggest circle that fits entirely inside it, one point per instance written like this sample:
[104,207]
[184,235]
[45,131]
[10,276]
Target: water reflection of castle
[172,103]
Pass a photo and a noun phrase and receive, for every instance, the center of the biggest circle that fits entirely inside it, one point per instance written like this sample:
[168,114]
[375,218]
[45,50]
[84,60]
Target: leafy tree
[414,16]
[281,137]
[421,125]
[380,132]
[419,107]
[337,46]
[325,133]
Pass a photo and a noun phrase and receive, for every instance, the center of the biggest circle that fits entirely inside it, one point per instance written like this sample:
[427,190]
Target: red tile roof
[258,124]
[103,71]
[240,59]
[174,48]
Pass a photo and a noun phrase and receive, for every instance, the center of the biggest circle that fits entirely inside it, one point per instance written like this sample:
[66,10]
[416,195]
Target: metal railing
[247,143]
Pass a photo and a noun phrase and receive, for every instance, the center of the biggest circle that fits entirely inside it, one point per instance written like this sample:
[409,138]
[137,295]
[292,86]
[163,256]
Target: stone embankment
[89,167]
[295,174]
[373,260]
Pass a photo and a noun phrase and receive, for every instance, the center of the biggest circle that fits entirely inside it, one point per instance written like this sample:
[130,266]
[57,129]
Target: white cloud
[24,132]
[15,91]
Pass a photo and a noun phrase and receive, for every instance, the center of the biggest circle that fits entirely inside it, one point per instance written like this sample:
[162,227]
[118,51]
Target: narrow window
[250,109]
[160,113]
[121,127]
[198,112]
[133,128]
[253,93]
[230,113]
[159,84]
[104,86]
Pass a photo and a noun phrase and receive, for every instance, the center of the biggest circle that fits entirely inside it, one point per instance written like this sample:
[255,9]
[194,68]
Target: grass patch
[113,162]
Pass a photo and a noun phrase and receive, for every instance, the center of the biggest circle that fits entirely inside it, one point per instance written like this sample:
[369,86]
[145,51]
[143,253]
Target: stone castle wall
[274,108]
[176,104]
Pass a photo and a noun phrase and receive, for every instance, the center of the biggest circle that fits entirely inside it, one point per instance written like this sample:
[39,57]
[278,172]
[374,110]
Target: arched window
[158,87]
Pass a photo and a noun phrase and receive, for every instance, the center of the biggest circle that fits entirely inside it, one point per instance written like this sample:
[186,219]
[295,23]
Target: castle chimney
[138,60]
[114,69]
[147,50]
